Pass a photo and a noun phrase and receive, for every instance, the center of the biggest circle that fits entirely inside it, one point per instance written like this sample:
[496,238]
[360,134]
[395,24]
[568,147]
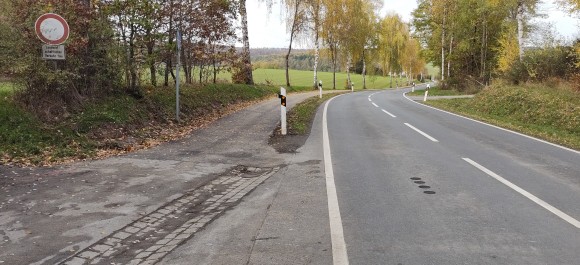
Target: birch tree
[246,60]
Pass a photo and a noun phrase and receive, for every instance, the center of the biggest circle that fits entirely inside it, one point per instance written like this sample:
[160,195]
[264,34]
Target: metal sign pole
[177,75]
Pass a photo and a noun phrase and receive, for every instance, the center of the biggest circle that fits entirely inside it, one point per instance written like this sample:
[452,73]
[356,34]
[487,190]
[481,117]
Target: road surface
[420,186]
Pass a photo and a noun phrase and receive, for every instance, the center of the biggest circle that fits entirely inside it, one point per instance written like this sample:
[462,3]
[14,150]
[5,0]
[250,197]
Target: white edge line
[339,253]
[389,113]
[375,105]
[494,126]
[530,196]
[422,133]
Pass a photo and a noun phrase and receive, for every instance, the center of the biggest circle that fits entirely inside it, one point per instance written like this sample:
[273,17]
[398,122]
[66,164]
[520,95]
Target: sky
[269,30]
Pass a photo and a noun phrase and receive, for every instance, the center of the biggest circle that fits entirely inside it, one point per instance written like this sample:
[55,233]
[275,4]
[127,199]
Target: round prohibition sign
[52,29]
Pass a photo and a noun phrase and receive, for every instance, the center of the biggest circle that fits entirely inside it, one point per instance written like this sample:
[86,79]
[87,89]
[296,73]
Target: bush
[52,88]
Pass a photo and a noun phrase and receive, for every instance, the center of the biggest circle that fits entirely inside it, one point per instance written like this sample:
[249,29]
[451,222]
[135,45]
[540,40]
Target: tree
[332,26]
[296,21]
[246,60]
[572,6]
[52,88]
[314,9]
[393,35]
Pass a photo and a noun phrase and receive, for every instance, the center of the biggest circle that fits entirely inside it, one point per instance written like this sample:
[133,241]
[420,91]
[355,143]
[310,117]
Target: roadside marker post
[282,97]
[425,98]
[319,88]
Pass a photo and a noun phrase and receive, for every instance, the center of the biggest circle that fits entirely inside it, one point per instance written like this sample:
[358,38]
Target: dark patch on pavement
[153,236]
[287,143]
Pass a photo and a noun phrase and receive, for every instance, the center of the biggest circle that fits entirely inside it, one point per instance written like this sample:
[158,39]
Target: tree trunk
[214,72]
[248,78]
[333,51]
[448,59]
[443,47]
[288,61]
[287,66]
[316,56]
[348,61]
[520,18]
[152,70]
[364,71]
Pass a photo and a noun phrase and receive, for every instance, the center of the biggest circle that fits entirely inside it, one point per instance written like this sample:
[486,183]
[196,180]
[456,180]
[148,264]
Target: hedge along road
[420,186]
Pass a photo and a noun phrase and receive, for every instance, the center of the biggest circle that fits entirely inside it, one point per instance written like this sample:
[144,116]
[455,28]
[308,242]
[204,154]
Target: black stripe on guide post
[282,100]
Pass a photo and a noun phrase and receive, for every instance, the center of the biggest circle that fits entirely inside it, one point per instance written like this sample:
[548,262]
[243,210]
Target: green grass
[6,89]
[306,78]
[436,91]
[277,77]
[549,113]
[300,117]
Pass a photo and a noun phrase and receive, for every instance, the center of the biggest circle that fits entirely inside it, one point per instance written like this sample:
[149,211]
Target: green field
[306,78]
[277,77]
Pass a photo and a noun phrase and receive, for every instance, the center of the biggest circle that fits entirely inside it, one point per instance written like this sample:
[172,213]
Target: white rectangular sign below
[53,52]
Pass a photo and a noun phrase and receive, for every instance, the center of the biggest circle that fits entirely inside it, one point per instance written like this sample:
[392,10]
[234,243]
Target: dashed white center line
[389,113]
[528,195]
[375,105]
[370,99]
[421,132]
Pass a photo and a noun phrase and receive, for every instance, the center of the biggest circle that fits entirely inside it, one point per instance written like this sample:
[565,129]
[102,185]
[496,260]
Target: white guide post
[283,110]
[425,98]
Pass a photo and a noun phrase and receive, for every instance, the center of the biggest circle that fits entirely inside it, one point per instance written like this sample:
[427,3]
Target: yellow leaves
[508,51]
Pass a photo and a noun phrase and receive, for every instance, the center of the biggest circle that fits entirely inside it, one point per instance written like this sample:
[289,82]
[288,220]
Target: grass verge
[549,113]
[436,91]
[301,117]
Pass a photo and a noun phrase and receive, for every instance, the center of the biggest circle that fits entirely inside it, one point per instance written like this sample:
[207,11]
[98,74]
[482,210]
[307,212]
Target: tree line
[116,44]
[474,41]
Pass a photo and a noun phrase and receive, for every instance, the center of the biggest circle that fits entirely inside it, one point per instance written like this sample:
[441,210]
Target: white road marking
[421,132]
[375,105]
[339,254]
[389,113]
[530,196]
[370,99]
[497,127]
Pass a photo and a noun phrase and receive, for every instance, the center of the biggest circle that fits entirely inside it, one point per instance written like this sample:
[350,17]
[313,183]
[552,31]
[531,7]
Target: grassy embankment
[550,113]
[436,91]
[117,124]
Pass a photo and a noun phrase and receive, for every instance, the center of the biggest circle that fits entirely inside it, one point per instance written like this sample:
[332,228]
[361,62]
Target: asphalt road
[420,186]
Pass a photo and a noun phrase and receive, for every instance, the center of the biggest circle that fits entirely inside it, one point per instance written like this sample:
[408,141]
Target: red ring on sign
[58,18]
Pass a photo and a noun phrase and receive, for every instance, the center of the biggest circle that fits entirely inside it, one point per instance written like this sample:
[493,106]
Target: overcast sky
[270,31]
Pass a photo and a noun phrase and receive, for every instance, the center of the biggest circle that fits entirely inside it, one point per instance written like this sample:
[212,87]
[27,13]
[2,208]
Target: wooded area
[125,45]
[476,41]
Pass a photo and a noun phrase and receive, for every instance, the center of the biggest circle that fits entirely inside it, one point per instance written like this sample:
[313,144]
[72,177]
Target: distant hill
[274,58]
